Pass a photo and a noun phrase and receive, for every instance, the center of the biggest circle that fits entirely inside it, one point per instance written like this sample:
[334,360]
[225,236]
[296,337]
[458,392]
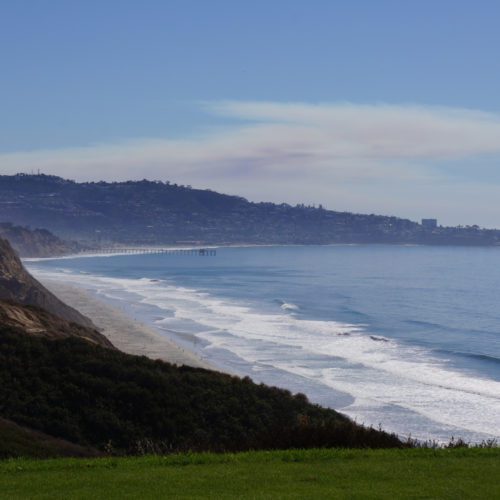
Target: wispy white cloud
[380,131]
[296,152]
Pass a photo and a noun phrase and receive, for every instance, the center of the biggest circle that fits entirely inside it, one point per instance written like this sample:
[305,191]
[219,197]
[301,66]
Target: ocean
[402,337]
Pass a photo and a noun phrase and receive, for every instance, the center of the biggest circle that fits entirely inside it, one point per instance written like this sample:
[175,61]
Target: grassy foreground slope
[413,473]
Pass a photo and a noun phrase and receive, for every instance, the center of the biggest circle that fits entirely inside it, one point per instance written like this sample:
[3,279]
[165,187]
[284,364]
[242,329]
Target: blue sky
[371,106]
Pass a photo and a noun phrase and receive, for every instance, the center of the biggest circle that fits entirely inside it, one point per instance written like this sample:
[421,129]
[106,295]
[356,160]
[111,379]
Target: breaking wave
[406,388]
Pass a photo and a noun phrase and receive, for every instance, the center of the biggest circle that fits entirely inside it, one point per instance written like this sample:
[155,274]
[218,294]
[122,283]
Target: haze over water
[405,337]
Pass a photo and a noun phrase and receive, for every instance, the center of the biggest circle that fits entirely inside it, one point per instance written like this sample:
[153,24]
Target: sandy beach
[124,332]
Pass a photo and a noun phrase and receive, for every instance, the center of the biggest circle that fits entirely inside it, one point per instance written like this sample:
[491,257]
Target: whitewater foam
[385,377]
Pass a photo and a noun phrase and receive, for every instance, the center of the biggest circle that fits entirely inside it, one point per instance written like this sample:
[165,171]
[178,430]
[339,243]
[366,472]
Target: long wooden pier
[200,252]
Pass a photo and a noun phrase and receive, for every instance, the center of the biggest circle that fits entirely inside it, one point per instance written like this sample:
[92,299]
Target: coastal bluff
[17,285]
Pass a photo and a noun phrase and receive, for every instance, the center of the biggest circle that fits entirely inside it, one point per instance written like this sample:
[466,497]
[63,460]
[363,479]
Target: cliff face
[17,285]
[36,242]
[37,322]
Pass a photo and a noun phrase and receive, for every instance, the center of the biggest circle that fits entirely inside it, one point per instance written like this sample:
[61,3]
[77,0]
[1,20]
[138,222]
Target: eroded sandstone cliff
[17,285]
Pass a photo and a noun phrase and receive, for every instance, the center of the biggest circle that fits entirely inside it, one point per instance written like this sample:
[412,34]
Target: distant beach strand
[124,332]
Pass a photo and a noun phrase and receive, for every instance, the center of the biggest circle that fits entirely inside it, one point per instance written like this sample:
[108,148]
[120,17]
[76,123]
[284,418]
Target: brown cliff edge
[18,286]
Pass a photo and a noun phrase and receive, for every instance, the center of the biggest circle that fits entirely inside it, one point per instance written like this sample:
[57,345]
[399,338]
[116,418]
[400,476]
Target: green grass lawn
[419,473]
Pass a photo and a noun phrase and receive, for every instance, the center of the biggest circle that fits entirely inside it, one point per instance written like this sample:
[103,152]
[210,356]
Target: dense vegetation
[120,403]
[154,212]
[339,474]
[18,441]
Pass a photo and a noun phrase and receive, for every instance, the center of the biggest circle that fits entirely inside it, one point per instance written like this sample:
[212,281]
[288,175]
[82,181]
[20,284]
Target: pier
[200,252]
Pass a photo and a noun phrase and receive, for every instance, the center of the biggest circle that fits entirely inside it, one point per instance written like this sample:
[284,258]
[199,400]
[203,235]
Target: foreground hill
[158,213]
[65,380]
[115,402]
[36,242]
[17,285]
[20,441]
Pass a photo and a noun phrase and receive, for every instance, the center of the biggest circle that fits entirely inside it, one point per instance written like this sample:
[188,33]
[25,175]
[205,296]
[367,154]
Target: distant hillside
[17,285]
[149,212]
[36,242]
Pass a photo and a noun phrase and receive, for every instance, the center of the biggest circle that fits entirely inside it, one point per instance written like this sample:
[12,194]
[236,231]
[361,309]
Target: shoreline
[158,345]
[147,249]
[124,332]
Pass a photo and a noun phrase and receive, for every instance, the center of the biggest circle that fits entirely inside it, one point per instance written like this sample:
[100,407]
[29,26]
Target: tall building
[429,223]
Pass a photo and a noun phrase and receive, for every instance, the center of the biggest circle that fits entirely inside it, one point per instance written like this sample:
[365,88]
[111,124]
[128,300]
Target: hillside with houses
[156,213]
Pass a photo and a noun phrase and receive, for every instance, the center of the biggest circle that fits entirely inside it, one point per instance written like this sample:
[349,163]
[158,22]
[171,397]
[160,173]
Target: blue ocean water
[401,336]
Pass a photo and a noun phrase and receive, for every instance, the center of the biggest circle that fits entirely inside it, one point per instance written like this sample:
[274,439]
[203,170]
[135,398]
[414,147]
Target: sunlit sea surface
[403,337]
